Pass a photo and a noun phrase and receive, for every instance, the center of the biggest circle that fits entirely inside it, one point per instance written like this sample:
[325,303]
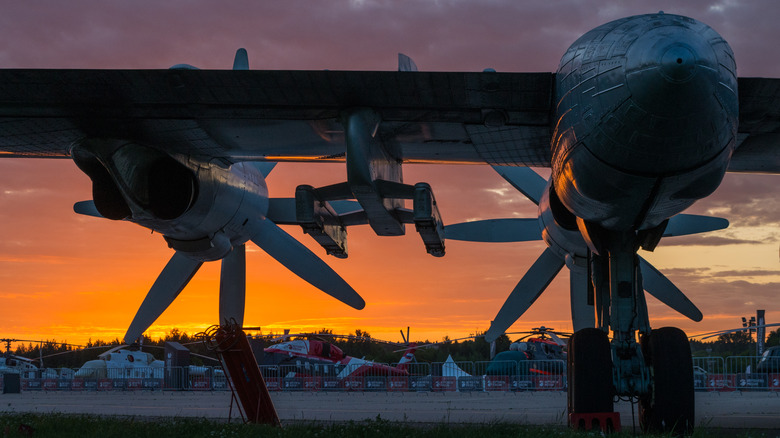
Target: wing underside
[498,118]
[456,117]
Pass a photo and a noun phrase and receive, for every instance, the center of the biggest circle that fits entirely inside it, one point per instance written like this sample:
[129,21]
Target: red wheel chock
[606,421]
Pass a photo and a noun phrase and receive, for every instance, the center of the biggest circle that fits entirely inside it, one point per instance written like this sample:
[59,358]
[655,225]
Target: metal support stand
[246,382]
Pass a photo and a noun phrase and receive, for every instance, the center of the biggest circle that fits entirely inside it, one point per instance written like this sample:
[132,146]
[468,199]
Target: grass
[65,426]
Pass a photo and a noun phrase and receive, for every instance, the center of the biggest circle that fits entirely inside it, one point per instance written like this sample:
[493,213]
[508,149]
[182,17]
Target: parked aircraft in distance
[304,356]
[642,118]
[122,362]
[12,364]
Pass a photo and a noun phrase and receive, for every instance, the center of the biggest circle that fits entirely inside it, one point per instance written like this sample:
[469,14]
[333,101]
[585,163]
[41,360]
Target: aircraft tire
[670,406]
[589,372]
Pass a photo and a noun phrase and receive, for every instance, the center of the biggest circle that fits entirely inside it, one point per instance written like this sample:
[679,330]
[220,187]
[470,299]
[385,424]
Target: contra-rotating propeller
[232,288]
[206,212]
[267,236]
[566,246]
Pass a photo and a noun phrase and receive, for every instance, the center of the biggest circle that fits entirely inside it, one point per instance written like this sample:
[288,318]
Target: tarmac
[718,410]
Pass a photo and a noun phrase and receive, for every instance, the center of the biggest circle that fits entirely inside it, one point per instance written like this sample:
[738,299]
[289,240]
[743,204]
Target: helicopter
[25,367]
[317,364]
[536,360]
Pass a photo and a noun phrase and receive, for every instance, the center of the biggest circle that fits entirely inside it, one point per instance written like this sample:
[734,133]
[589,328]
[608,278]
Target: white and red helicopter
[310,357]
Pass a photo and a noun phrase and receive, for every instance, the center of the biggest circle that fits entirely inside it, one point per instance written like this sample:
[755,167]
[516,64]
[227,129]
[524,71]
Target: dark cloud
[746,273]
[706,241]
[745,200]
[686,272]
[508,35]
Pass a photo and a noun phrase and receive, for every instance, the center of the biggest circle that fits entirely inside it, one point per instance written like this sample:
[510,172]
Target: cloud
[707,241]
[746,273]
[297,34]
[745,200]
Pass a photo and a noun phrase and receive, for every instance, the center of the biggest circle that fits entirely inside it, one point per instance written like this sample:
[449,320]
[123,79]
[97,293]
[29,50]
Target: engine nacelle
[559,227]
[202,209]
[130,180]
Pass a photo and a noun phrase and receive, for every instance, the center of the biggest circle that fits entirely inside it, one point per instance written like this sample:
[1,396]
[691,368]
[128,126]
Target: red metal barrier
[721,382]
[445,384]
[774,381]
[497,383]
[548,383]
[331,383]
[353,383]
[200,385]
[398,383]
[134,384]
[273,383]
[50,384]
[312,383]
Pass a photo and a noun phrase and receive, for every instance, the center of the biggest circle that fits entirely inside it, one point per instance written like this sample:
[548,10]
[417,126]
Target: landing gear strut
[658,371]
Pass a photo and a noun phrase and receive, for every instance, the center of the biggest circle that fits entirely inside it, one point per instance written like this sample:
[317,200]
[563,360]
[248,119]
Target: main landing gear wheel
[670,405]
[589,372]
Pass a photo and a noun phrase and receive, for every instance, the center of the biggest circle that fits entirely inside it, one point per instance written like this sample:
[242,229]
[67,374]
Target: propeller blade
[87,208]
[304,263]
[264,167]
[495,230]
[684,224]
[583,315]
[406,63]
[232,286]
[530,287]
[657,285]
[241,61]
[173,278]
[524,179]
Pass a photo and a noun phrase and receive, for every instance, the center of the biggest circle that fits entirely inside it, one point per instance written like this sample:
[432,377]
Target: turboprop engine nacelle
[202,209]
[559,228]
[647,120]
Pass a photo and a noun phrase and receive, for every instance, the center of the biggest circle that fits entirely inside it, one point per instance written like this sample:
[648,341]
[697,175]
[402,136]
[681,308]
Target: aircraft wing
[494,118]
[758,138]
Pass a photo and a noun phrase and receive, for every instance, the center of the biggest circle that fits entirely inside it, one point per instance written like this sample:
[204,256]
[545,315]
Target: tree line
[359,344]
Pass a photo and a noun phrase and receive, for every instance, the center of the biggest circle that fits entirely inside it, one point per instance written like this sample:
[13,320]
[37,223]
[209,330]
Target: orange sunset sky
[70,277]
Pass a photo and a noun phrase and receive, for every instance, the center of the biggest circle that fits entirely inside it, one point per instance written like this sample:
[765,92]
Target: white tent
[451,369]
